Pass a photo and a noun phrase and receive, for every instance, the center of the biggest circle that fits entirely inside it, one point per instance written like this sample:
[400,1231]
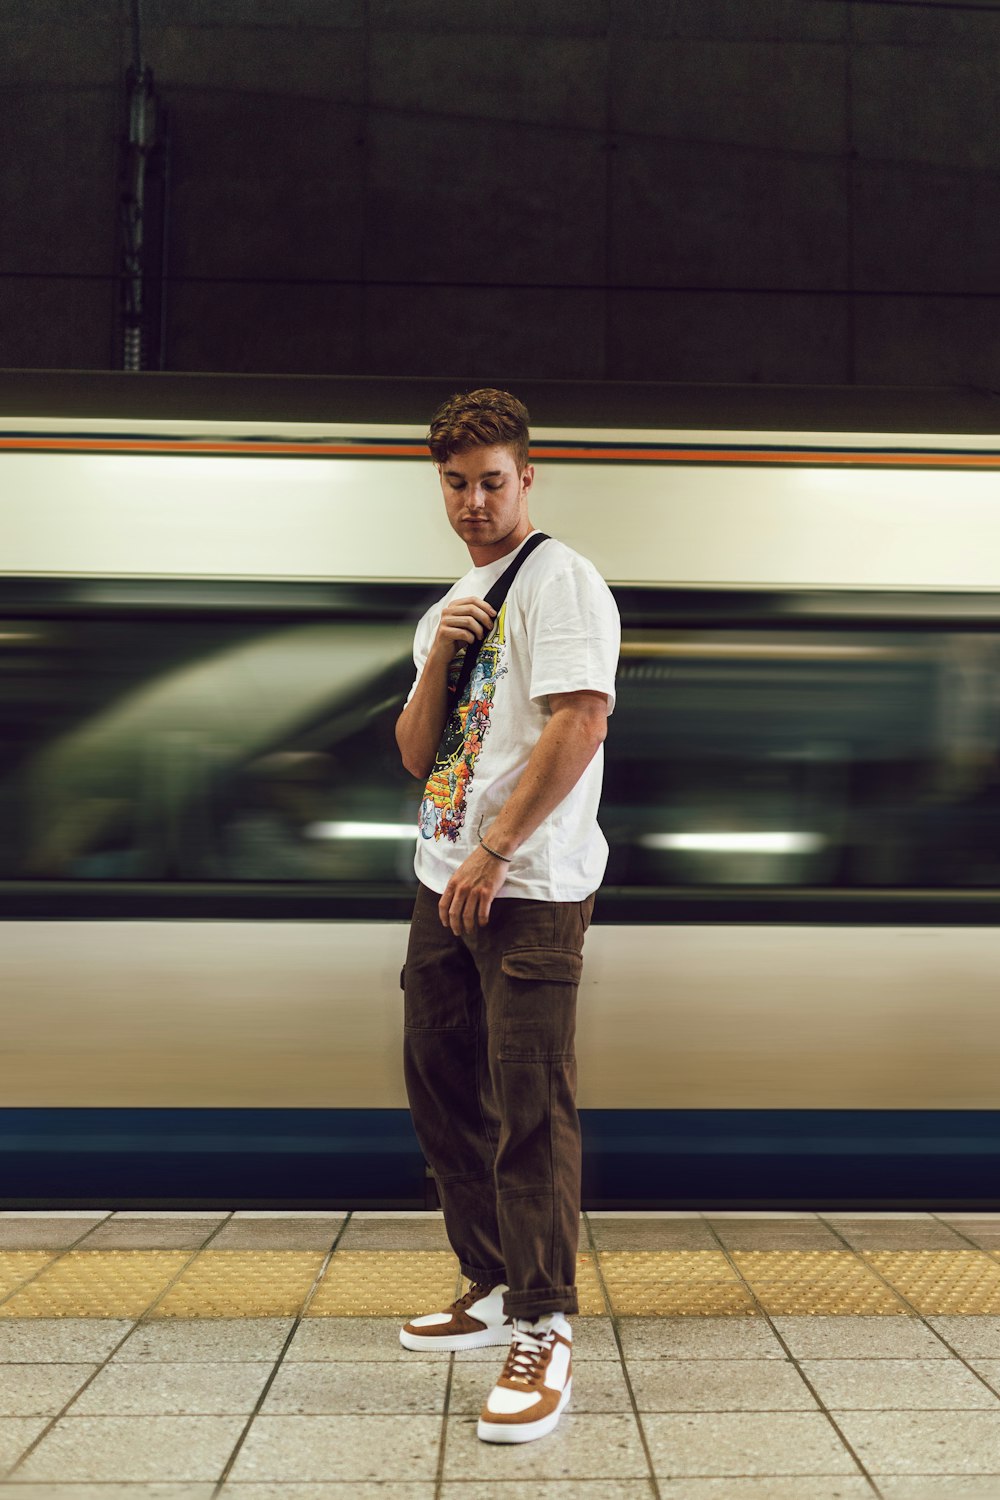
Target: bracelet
[505,857]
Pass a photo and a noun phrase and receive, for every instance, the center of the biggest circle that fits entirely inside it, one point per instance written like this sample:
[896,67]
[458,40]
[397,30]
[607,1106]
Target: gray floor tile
[348,1489]
[176,1233]
[652,1234]
[352,1448]
[114,1491]
[582,1447]
[983,1239]
[245,1340]
[900,1234]
[698,1338]
[939,1487]
[40,1390]
[395,1233]
[60,1340]
[349,1339]
[924,1442]
[745,1443]
[776,1216]
[133,1448]
[363,1339]
[552,1489]
[770,1234]
[974,1217]
[209,1215]
[897,1384]
[278,1234]
[637,1214]
[117,1491]
[42,1234]
[343,1388]
[989,1369]
[17,1434]
[166,1389]
[973,1338]
[860,1338]
[598,1385]
[593,1338]
[718,1385]
[845,1487]
[897,1216]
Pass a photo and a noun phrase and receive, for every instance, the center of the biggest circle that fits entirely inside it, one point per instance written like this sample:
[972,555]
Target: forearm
[564,750]
[421,724]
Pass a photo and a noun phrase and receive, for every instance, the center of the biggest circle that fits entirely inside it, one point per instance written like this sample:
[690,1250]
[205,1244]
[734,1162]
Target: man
[508,857]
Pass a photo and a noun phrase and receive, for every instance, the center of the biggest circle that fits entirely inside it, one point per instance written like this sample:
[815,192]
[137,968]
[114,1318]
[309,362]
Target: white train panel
[309,1015]
[709,524]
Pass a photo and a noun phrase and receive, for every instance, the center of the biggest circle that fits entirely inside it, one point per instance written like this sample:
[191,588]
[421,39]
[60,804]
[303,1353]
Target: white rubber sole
[524,1432]
[451,1343]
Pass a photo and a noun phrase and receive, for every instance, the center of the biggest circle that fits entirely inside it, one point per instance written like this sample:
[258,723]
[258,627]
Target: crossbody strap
[495,598]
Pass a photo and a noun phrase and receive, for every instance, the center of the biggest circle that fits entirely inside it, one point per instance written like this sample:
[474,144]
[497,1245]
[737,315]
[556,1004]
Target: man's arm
[564,750]
[421,724]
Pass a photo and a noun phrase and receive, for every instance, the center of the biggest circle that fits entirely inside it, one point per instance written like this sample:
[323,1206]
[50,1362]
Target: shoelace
[477,1291]
[526,1351]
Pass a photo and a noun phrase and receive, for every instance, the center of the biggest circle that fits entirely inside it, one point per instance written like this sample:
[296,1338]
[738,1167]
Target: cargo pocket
[539,1003]
[402,978]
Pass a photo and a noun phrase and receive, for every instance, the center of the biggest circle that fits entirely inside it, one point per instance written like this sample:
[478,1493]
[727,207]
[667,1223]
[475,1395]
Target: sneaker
[474,1320]
[534,1388]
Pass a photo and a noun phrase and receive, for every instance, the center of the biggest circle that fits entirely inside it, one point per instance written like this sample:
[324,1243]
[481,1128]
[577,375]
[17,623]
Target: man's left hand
[469,893]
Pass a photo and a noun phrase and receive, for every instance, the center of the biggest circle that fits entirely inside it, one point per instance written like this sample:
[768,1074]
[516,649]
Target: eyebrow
[489,474]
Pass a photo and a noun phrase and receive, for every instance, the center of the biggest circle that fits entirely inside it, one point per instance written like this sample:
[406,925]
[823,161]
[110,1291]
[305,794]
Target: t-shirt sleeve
[423,639]
[575,634]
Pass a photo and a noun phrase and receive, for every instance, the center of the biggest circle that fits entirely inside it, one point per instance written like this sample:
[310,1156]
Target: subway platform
[254,1356]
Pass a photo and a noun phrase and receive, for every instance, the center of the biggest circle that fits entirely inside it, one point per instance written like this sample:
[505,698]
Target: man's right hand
[462,622]
[419,726]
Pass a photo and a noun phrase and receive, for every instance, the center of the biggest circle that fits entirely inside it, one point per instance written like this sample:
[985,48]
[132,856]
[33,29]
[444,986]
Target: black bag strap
[495,598]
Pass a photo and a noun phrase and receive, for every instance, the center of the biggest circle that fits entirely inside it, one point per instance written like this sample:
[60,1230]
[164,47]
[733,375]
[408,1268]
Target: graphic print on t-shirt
[443,809]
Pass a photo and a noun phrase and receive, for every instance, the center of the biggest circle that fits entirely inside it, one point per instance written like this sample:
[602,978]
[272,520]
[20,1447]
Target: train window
[842,758]
[204,750]
[214,748]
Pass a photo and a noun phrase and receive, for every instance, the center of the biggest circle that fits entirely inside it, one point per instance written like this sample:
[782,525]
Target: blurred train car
[207,598]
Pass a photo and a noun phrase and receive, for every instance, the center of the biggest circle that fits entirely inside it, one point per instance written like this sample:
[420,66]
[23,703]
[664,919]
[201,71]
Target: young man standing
[509,856]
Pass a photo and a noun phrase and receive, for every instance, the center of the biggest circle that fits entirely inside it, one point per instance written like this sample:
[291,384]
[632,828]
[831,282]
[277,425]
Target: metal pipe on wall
[143,214]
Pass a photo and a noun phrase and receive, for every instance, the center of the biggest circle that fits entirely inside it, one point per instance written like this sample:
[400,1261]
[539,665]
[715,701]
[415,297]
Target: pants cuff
[476,1273]
[535,1303]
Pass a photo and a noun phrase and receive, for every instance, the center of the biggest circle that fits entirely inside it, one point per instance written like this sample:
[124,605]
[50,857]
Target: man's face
[486,497]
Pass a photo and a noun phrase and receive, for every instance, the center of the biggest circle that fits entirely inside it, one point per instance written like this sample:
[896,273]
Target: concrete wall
[721,190]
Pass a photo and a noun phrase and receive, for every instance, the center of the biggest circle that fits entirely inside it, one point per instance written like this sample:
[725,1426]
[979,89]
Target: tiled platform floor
[254,1356]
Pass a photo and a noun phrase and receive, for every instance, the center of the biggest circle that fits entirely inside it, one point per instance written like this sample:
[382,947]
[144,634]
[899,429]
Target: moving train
[207,598]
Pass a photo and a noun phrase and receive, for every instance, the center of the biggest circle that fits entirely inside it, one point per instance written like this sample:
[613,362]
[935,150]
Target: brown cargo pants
[490,1019]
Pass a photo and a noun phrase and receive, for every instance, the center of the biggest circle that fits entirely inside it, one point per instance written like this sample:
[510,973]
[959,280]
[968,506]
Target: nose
[477,498]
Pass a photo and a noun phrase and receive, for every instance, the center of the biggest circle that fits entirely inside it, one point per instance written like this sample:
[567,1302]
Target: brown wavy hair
[480,419]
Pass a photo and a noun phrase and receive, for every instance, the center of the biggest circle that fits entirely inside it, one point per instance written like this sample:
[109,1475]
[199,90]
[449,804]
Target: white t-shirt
[557,632]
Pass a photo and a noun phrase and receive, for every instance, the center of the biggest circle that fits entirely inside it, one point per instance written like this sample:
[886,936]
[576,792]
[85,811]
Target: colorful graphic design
[442,812]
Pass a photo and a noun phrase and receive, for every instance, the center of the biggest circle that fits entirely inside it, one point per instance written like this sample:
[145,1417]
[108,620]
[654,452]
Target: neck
[483,555]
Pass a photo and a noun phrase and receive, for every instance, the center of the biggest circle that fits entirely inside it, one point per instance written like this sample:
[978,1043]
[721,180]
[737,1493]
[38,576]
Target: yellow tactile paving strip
[242,1284]
[18,1266]
[667,1283]
[400,1283]
[96,1284]
[827,1283]
[942,1281]
[372,1283]
[588,1288]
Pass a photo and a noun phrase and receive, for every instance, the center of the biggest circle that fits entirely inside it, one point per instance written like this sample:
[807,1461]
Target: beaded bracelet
[505,857]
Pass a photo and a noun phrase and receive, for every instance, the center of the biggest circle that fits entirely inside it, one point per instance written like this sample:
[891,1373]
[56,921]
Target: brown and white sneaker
[535,1385]
[474,1320]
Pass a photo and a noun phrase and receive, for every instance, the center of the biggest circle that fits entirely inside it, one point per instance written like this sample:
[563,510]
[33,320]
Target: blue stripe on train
[306,1158]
